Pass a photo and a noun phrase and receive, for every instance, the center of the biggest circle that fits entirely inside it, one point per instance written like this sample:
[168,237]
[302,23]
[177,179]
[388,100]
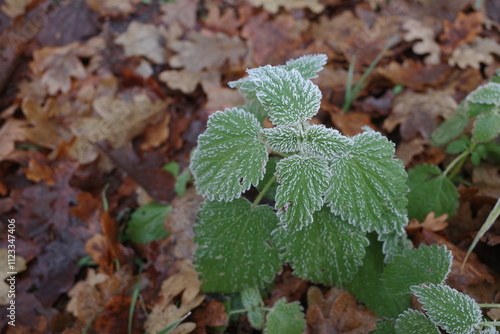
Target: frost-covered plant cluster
[336,209]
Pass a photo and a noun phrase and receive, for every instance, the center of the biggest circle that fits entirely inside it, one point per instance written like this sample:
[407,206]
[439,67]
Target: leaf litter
[90,102]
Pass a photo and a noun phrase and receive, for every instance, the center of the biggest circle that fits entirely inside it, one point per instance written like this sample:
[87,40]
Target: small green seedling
[334,206]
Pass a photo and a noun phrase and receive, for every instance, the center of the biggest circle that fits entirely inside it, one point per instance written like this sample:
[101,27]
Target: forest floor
[98,96]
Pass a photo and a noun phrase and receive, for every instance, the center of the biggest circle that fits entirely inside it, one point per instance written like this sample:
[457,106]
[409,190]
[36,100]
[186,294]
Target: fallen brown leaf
[145,40]
[463,30]
[273,6]
[427,45]
[113,8]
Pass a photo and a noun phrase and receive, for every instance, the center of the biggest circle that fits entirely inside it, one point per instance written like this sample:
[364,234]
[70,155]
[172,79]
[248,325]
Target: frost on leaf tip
[303,182]
[368,186]
[486,94]
[415,322]
[450,309]
[229,158]
[308,65]
[288,97]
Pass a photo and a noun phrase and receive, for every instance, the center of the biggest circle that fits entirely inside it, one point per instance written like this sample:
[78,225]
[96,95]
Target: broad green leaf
[303,182]
[252,301]
[430,191]
[288,97]
[415,322]
[284,138]
[455,312]
[486,94]
[395,243]
[385,327]
[147,223]
[487,126]
[229,158]
[328,251]
[325,142]
[246,86]
[476,109]
[427,264]
[368,185]
[234,251]
[369,288]
[308,65]
[255,108]
[285,318]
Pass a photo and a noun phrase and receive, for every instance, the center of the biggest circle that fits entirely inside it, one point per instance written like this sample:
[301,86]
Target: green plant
[339,203]
[482,108]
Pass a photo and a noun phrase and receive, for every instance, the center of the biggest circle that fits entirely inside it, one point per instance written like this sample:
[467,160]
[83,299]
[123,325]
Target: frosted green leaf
[229,158]
[476,109]
[303,182]
[430,191]
[329,251]
[488,329]
[308,65]
[486,94]
[368,185]
[288,97]
[427,264]
[285,318]
[252,302]
[325,142]
[415,322]
[234,251]
[487,126]
[395,242]
[455,312]
[283,138]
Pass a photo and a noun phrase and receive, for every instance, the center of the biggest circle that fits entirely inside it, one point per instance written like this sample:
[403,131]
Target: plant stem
[458,162]
[489,305]
[238,311]
[284,155]
[263,192]
[491,323]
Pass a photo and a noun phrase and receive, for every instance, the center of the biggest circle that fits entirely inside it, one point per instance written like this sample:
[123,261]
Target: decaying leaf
[14,8]
[145,40]
[5,270]
[481,50]
[181,12]
[464,30]
[431,223]
[206,51]
[427,45]
[185,285]
[82,289]
[12,131]
[417,113]
[414,74]
[113,8]
[57,65]
[187,81]
[274,5]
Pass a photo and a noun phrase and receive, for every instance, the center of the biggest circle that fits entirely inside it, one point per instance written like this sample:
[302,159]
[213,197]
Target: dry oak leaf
[407,150]
[38,170]
[142,39]
[187,81]
[417,112]
[12,131]
[431,222]
[226,22]
[14,8]
[57,65]
[273,6]
[427,45]
[113,8]
[481,50]
[5,270]
[464,30]
[181,12]
[206,50]
[80,291]
[415,75]
[184,284]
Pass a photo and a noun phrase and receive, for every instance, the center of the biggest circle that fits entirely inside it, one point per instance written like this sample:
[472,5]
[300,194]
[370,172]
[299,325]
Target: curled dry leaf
[5,268]
[184,284]
[480,51]
[427,45]
[206,51]
[274,5]
[57,65]
[113,8]
[145,40]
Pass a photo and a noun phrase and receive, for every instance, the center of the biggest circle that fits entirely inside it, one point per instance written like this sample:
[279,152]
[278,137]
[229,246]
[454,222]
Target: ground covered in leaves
[98,96]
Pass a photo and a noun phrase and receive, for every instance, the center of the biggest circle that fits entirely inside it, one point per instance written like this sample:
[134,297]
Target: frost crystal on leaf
[308,65]
[303,182]
[230,157]
[288,97]
[233,251]
[368,186]
[283,138]
[325,142]
[455,312]
[415,322]
[328,251]
[487,126]
[486,94]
